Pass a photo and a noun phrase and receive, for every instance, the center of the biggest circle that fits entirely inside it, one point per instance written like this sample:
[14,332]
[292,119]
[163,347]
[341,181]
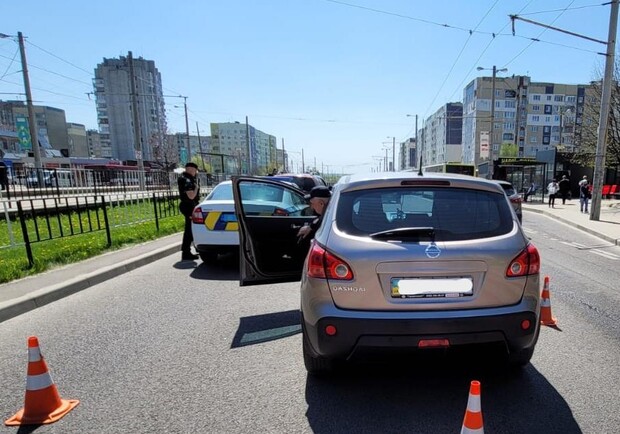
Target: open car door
[270,214]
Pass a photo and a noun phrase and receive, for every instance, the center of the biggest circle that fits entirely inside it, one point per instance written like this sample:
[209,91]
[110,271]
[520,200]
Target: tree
[586,141]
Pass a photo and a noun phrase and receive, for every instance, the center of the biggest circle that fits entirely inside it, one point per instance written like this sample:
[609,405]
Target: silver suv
[402,261]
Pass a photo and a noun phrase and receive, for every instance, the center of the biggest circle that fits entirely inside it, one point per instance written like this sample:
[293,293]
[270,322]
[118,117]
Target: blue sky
[334,78]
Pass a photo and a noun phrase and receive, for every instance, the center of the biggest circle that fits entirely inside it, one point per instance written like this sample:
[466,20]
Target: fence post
[22,220]
[105,219]
[155,209]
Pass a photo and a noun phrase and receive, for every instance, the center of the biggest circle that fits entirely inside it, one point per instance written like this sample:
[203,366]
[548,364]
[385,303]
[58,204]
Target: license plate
[432,288]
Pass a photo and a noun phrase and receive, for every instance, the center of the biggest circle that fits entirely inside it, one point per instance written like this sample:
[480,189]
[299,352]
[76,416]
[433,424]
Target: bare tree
[586,142]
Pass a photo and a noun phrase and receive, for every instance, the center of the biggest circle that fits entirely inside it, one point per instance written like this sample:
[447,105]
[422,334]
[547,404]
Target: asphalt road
[177,349]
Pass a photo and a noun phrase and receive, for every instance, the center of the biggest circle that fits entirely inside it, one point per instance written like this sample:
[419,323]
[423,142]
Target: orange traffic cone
[43,403]
[472,423]
[546,318]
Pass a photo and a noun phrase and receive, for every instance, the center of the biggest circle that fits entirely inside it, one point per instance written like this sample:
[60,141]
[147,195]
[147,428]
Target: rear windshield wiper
[426,232]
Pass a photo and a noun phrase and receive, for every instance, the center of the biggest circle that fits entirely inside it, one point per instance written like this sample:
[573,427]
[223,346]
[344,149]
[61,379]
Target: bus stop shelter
[521,173]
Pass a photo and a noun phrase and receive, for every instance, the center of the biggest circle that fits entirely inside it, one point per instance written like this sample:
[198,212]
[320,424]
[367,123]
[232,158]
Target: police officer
[189,192]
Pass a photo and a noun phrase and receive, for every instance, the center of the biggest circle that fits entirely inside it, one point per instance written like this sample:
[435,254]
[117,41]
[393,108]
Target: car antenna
[420,172]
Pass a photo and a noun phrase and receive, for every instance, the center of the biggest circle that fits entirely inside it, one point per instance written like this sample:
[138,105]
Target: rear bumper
[358,335]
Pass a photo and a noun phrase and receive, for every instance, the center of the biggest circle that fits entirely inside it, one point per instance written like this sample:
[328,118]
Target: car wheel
[315,365]
[208,257]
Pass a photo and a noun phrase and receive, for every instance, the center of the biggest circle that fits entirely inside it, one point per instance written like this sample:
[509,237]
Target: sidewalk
[607,228]
[26,294]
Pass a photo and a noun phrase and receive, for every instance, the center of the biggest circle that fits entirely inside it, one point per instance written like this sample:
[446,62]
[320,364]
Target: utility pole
[601,143]
[416,133]
[393,154]
[284,159]
[303,164]
[136,121]
[247,144]
[202,155]
[32,121]
[189,147]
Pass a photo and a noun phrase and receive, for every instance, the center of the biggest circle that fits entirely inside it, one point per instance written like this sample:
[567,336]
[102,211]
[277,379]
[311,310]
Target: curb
[43,296]
[612,240]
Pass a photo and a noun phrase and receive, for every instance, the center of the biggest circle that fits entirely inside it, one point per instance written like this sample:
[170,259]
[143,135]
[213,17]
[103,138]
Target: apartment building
[115,93]
[77,140]
[235,141]
[534,116]
[440,141]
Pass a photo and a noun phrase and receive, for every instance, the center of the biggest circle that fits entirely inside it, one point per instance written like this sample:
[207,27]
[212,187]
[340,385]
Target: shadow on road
[269,327]
[430,396]
[225,268]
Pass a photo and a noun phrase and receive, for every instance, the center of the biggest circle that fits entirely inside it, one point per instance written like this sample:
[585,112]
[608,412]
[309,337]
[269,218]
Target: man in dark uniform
[189,192]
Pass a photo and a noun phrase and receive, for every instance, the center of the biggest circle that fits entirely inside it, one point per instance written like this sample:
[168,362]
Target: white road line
[605,254]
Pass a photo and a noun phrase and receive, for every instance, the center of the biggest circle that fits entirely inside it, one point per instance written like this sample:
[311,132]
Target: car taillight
[516,199]
[325,265]
[527,263]
[197,216]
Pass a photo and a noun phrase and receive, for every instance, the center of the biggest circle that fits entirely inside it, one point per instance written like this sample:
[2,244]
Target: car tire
[208,257]
[315,364]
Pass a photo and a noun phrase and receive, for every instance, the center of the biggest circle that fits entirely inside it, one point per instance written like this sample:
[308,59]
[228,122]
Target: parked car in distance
[214,224]
[304,181]
[514,197]
[401,262]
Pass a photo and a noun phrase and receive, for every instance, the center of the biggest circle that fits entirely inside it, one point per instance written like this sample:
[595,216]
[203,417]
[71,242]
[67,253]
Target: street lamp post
[491,133]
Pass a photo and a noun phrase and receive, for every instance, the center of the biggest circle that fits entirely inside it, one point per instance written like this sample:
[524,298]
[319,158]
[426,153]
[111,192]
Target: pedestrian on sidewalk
[564,188]
[552,189]
[530,191]
[189,192]
[584,195]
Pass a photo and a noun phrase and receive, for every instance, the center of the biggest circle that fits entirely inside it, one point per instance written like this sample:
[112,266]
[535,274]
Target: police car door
[270,214]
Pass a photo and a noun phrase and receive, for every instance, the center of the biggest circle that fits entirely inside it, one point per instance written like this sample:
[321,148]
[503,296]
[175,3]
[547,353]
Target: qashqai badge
[432,251]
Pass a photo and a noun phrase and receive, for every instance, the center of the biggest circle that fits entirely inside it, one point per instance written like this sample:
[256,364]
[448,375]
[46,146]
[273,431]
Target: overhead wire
[10,64]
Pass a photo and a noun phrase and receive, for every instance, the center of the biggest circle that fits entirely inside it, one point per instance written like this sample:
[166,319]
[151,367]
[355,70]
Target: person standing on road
[584,194]
[552,189]
[564,188]
[189,193]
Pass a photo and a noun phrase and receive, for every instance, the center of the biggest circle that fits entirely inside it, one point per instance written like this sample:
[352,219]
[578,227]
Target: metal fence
[36,220]
[34,183]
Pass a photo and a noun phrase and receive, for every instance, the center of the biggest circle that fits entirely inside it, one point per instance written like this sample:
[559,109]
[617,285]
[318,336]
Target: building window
[536,97]
[533,139]
[536,108]
[559,98]
[510,104]
[535,118]
[549,97]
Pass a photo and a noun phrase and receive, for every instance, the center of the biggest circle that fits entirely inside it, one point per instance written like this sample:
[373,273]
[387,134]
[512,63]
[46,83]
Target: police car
[214,224]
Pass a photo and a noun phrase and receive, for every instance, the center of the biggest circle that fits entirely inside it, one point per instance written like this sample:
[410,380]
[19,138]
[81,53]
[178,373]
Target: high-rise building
[115,94]
[441,141]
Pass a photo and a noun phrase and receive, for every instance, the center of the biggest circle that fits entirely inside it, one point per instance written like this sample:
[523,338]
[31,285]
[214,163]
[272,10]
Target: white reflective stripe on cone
[545,302]
[473,404]
[465,430]
[38,382]
[34,354]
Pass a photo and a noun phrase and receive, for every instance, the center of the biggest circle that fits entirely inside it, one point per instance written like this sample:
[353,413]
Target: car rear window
[454,214]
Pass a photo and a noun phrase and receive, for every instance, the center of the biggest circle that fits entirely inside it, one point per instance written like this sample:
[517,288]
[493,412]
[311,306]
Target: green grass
[52,251]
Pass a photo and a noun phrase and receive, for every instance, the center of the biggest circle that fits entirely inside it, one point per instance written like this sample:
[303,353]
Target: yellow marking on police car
[214,222]
[211,220]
